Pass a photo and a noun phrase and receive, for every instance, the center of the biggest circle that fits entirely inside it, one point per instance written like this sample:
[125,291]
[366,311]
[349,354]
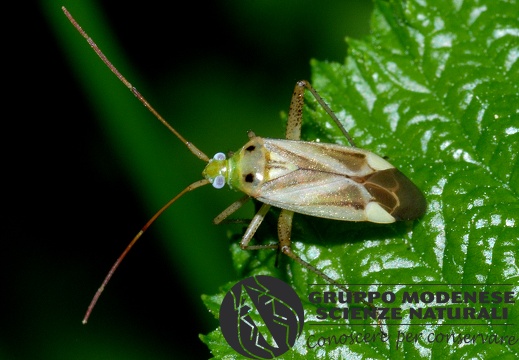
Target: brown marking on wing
[350,158]
[396,194]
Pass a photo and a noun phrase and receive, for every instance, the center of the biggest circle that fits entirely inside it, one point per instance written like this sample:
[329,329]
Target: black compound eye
[249,178]
[250,148]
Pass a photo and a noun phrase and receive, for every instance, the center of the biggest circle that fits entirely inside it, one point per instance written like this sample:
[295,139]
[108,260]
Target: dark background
[77,193]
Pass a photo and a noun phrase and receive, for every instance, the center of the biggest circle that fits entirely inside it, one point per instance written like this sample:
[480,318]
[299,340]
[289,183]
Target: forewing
[317,193]
[322,157]
[337,182]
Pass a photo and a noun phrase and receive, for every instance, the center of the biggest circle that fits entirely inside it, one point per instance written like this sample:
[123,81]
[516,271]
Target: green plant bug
[325,180]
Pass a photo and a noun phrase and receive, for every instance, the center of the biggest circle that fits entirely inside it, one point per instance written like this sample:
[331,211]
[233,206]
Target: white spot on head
[375,213]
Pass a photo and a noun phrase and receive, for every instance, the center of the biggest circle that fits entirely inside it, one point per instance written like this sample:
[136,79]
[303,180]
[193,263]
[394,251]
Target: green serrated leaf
[435,88]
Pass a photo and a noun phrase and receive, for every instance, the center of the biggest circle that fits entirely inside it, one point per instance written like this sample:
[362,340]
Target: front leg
[251,230]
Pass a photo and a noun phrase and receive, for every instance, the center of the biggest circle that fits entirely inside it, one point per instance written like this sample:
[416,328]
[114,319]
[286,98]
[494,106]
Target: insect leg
[251,230]
[284,234]
[293,132]
[253,224]
[295,115]
[230,210]
[295,112]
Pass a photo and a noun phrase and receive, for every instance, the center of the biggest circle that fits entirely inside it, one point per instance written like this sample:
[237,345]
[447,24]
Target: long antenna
[114,267]
[198,153]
